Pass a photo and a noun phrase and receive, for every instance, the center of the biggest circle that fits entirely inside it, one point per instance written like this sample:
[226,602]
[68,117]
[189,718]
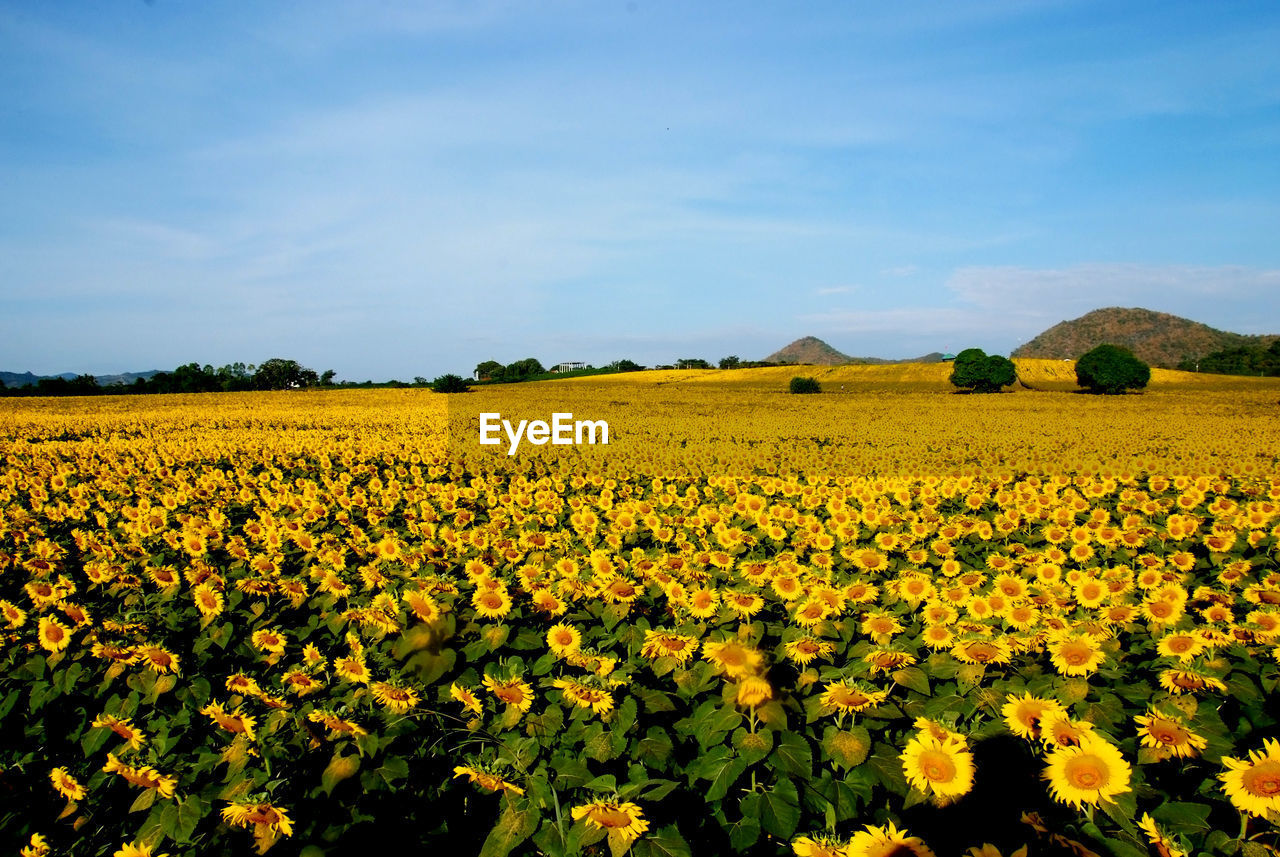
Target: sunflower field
[885,622]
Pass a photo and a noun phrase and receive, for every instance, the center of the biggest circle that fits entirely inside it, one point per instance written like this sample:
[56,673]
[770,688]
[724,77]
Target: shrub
[450,384]
[805,385]
[980,372]
[1111,369]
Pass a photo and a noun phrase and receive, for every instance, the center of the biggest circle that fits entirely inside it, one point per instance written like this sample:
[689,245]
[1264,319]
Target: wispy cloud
[1234,296]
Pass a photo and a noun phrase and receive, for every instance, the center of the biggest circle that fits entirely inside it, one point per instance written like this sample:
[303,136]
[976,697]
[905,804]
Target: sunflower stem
[1244,827]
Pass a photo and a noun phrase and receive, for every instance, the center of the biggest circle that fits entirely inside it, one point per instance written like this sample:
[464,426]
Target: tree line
[274,374]
[1247,360]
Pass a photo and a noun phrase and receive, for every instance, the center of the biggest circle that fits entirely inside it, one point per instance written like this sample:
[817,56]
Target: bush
[805,385]
[450,384]
[1111,369]
[980,372]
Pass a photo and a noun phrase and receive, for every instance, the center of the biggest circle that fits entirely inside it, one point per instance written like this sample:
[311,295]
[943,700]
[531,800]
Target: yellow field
[753,622]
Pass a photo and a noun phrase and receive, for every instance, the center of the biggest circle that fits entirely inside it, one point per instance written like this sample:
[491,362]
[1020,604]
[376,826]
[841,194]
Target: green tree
[730,362]
[692,363]
[805,385]
[280,374]
[450,384]
[522,369]
[1111,369]
[979,372]
[489,369]
[625,366]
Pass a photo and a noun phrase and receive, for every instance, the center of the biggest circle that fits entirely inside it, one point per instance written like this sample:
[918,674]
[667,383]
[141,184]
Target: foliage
[450,384]
[281,374]
[1238,361]
[804,385]
[975,370]
[692,363]
[324,634]
[730,362]
[1111,369]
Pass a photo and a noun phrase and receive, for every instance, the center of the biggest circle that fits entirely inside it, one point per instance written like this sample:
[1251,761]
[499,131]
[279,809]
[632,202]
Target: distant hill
[811,350]
[22,379]
[1158,338]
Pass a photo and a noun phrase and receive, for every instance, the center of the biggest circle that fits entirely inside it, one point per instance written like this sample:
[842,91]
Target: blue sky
[408,188]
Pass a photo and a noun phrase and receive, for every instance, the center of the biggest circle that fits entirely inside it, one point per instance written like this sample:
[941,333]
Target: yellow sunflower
[1168,736]
[595,699]
[66,785]
[491,603]
[733,658]
[752,691]
[1089,773]
[887,841]
[235,723]
[466,697]
[395,699]
[624,822]
[54,636]
[486,779]
[843,697]
[136,849]
[515,691]
[805,649]
[563,639]
[1164,846]
[822,846]
[1253,784]
[942,769]
[1075,654]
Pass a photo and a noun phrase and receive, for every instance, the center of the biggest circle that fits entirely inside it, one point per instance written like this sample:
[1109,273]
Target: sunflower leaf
[780,809]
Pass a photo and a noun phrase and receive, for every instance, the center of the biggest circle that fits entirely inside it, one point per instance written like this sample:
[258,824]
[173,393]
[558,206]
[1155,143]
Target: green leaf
[1122,809]
[752,746]
[516,824]
[143,801]
[393,768]
[793,755]
[744,833]
[340,768]
[655,745]
[570,771]
[724,775]
[1182,817]
[603,783]
[179,820]
[914,678]
[847,748]
[626,714]
[667,842]
[780,809]
[655,701]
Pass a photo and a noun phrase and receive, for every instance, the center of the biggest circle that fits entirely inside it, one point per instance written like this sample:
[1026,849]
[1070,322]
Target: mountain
[1158,338]
[812,350]
[809,349]
[22,379]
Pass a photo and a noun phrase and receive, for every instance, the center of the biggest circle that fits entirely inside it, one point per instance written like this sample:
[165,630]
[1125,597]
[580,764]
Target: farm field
[882,620]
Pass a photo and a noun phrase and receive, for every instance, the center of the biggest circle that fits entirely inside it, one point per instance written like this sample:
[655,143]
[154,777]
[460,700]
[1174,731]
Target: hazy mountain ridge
[812,350]
[1158,338]
[22,379]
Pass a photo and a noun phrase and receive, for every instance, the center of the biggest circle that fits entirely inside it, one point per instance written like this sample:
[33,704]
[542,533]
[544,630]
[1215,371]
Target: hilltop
[1158,338]
[812,350]
[809,349]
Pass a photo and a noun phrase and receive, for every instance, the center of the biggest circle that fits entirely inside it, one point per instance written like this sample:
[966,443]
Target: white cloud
[836,290]
[1233,297]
